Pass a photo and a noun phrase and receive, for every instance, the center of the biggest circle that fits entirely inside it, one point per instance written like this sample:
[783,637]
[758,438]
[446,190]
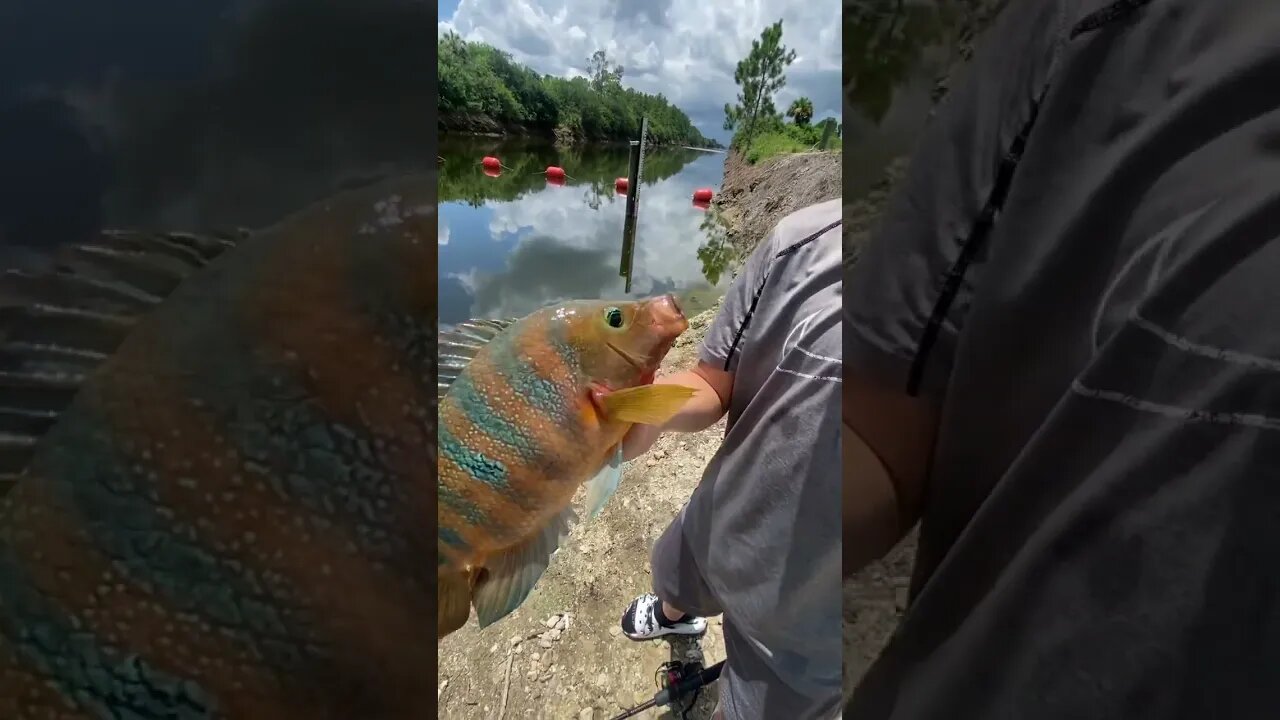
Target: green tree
[604,74]
[480,82]
[822,126]
[801,111]
[759,76]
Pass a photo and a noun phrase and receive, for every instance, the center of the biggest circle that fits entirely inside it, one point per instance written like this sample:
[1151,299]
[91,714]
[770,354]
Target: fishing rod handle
[693,682]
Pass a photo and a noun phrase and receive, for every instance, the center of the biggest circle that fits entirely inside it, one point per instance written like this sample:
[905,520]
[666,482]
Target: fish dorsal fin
[511,573]
[458,347]
[58,324]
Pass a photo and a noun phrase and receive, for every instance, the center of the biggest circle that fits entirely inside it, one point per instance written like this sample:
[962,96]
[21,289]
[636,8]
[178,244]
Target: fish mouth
[666,312]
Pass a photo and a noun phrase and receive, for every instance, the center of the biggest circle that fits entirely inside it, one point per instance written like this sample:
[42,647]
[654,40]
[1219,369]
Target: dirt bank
[753,198]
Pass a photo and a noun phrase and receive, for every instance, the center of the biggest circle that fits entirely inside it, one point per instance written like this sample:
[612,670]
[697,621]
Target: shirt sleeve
[721,345]
[907,294]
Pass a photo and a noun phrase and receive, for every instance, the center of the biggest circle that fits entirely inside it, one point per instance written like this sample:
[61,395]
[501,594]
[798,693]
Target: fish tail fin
[510,575]
[453,598]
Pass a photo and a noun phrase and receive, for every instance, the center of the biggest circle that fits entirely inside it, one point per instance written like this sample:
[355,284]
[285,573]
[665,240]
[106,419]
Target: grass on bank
[778,138]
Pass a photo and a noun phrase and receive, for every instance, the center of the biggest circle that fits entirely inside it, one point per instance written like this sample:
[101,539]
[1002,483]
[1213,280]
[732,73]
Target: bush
[776,137]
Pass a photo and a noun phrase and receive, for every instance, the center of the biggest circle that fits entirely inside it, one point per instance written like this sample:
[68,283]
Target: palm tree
[801,111]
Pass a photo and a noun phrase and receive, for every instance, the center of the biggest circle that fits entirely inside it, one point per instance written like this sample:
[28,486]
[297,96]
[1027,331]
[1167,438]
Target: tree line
[759,129]
[479,80]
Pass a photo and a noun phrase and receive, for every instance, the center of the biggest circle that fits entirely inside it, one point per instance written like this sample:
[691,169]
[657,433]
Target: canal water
[894,52]
[511,244]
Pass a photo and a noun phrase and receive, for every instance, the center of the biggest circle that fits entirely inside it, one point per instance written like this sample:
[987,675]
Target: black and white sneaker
[644,620]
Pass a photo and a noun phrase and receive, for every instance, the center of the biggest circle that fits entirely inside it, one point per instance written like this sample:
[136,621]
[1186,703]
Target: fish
[529,411]
[219,452]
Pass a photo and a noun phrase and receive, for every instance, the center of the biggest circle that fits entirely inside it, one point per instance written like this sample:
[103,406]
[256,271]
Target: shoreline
[753,198]
[483,126]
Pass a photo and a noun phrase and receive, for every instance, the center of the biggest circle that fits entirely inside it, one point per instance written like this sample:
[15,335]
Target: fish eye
[613,316]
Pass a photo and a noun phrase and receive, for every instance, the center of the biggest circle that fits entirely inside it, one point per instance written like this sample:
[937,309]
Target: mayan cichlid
[529,411]
[221,453]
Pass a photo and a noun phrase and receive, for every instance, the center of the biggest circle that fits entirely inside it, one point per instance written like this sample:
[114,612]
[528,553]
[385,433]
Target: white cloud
[442,233]
[687,51]
[571,253]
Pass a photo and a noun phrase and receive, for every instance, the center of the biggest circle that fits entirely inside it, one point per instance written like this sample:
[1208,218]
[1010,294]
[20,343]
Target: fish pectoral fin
[453,598]
[601,487]
[512,573]
[646,404]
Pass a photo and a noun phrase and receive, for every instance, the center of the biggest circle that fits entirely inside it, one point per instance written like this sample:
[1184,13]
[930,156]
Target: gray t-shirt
[764,522]
[1084,266]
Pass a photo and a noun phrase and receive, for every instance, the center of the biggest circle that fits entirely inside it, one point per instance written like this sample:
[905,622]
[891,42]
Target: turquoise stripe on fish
[461,505]
[491,422]
[476,464]
[451,538]
[527,381]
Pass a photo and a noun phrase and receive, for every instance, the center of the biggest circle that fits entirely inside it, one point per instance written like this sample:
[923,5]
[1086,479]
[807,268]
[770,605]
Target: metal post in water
[629,223]
[830,126]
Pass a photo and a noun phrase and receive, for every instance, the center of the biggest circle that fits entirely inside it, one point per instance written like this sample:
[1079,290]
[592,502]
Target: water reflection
[894,51]
[52,178]
[513,243]
[224,114]
[716,253]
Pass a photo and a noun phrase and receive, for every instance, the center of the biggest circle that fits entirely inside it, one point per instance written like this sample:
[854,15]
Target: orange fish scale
[555,452]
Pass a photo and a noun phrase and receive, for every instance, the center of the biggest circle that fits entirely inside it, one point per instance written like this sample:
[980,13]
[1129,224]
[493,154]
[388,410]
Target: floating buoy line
[556,175]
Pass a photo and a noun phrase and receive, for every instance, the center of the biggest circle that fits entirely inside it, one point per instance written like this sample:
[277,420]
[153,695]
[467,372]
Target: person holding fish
[1063,362]
[529,411]
[759,540]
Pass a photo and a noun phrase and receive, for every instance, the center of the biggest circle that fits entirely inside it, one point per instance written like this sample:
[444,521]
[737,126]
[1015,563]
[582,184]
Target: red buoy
[620,186]
[557,180]
[555,173]
[491,163]
[702,204]
[492,172]
[702,194]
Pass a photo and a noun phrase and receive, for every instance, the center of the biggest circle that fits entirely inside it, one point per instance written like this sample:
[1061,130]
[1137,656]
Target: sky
[688,51]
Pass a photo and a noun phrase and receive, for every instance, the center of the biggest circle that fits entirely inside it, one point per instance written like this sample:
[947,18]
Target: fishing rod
[677,680]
